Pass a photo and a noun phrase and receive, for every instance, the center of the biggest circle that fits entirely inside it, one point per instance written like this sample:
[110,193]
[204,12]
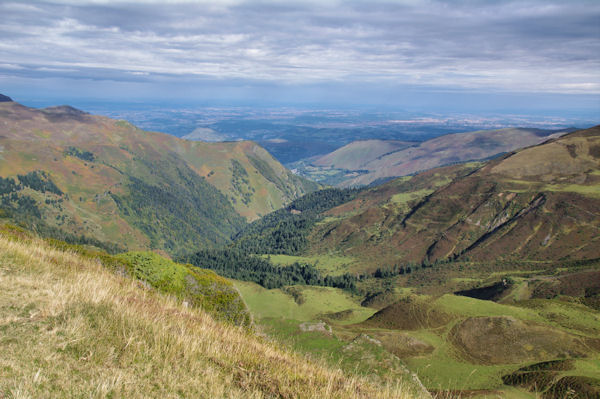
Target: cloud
[532,46]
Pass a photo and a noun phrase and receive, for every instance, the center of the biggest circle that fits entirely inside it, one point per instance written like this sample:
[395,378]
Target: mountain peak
[5,99]
[65,113]
[64,109]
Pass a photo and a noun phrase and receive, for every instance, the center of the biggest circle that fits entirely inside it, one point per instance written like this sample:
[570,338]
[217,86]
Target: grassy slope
[330,265]
[314,321]
[448,367]
[39,140]
[71,328]
[360,224]
[197,287]
[316,302]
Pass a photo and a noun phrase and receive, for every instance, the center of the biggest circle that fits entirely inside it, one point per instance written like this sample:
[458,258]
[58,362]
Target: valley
[468,346]
[476,276]
[473,278]
[350,199]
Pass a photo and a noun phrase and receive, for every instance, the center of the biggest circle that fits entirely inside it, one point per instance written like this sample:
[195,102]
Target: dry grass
[69,328]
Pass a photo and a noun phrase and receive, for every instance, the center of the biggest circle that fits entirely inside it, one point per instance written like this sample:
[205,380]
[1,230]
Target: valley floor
[456,345]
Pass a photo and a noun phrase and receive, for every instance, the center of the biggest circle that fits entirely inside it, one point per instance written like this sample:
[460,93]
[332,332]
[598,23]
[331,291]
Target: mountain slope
[365,162]
[114,182]
[541,203]
[71,328]
[356,155]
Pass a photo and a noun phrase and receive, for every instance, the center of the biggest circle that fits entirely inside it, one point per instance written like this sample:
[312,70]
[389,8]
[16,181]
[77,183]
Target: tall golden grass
[70,328]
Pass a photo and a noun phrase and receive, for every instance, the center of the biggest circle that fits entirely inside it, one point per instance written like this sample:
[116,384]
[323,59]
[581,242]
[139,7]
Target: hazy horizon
[533,57]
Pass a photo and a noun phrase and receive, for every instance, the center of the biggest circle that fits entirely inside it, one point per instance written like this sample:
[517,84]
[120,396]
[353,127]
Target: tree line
[239,265]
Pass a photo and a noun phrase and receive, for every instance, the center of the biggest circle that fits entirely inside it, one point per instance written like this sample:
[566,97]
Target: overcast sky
[371,52]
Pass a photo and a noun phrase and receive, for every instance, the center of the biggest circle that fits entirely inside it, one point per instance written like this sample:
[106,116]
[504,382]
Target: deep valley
[472,278]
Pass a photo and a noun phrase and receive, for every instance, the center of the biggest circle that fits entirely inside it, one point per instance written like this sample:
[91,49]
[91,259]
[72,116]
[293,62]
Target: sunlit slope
[140,189]
[70,327]
[357,154]
[540,203]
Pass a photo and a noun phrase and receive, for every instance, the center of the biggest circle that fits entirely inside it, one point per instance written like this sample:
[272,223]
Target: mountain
[94,179]
[483,278]
[538,204]
[365,162]
[357,154]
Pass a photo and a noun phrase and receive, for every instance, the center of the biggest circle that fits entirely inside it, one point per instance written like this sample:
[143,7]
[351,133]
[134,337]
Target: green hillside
[467,346]
[99,181]
[355,155]
[480,279]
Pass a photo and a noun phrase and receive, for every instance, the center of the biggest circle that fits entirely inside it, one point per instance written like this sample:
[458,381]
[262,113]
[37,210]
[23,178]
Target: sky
[496,56]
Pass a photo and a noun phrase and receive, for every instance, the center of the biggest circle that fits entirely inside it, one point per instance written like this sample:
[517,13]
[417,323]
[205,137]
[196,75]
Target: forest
[239,265]
[24,210]
[284,231]
[187,213]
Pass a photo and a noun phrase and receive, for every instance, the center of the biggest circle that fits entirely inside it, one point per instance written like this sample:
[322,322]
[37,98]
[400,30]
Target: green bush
[198,287]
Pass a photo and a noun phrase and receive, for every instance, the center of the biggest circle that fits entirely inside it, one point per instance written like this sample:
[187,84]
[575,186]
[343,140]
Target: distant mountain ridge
[365,162]
[358,154]
[66,170]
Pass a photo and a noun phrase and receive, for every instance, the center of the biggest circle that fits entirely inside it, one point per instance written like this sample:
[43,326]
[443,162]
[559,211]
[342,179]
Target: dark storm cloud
[520,45]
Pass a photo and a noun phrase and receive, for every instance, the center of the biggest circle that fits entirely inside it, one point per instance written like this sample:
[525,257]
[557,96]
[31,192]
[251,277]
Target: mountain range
[478,278]
[481,277]
[540,203]
[370,161]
